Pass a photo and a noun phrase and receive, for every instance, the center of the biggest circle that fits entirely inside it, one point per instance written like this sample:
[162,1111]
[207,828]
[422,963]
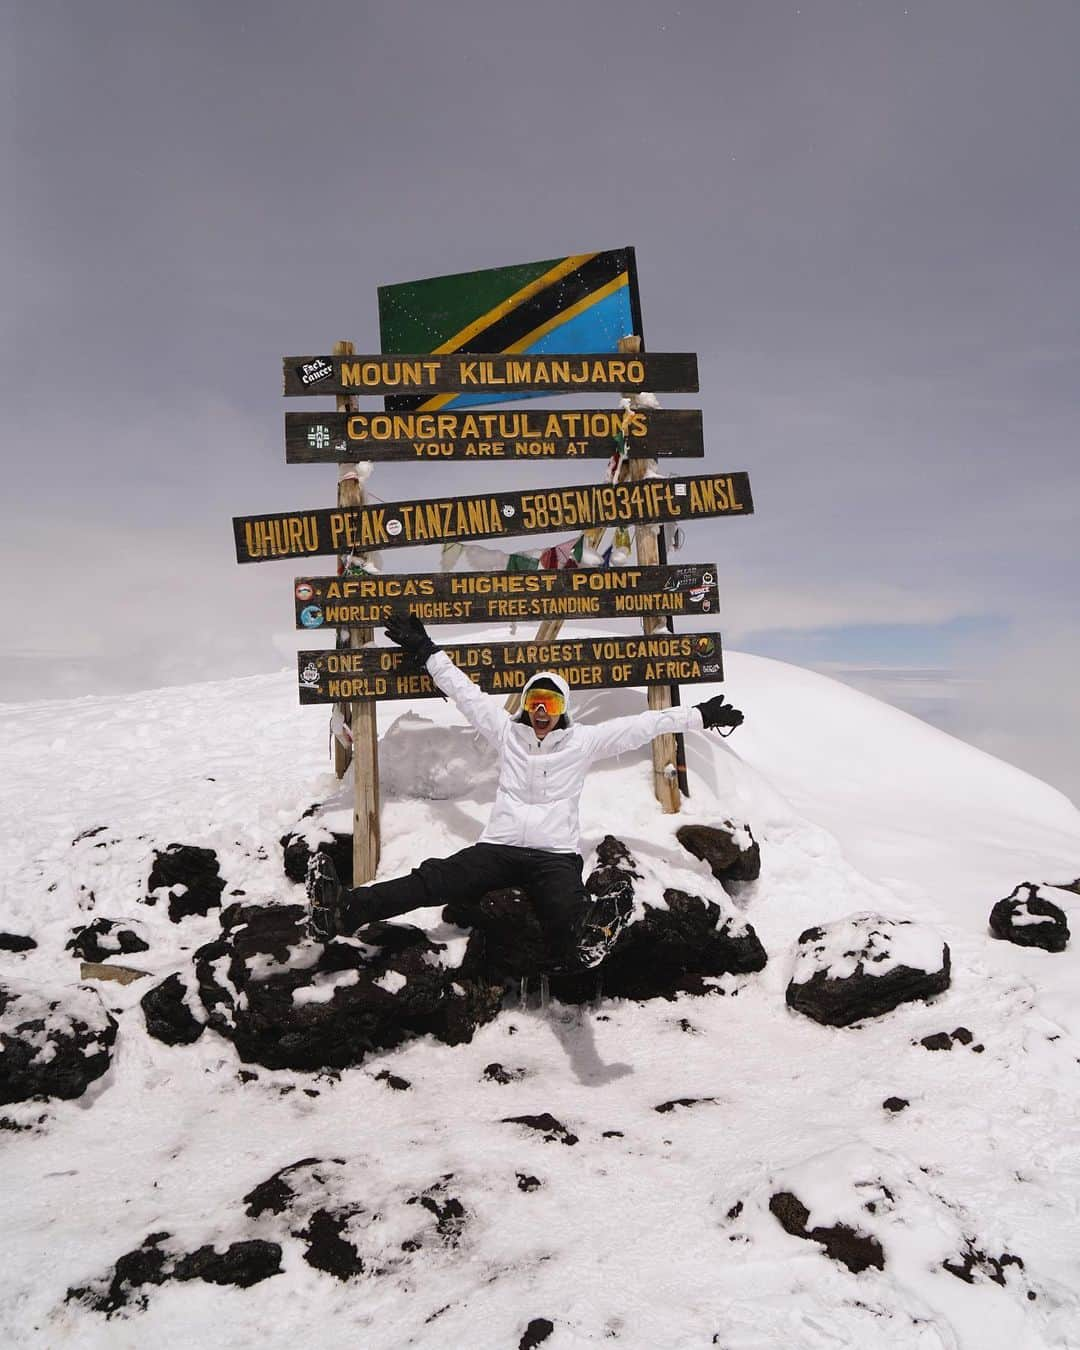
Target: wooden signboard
[298,534]
[508,434]
[506,597]
[499,667]
[461,373]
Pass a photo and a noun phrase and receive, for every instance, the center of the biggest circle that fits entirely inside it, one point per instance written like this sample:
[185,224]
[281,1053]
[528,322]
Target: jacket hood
[559,683]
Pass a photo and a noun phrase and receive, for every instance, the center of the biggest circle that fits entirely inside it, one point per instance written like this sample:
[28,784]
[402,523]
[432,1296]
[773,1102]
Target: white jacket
[540,782]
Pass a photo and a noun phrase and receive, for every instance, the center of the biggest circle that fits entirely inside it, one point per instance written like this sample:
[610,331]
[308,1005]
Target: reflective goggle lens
[549,699]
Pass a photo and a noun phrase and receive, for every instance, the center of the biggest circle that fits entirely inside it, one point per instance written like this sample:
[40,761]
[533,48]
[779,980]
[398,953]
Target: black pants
[552,881]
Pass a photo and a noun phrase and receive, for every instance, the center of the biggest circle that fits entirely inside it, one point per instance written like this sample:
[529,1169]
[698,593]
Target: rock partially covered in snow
[675,948]
[54,1040]
[680,948]
[507,941]
[730,850]
[298,846]
[16,942]
[156,1261]
[1028,918]
[102,938]
[869,1209]
[189,876]
[864,966]
[170,1015]
[287,1001]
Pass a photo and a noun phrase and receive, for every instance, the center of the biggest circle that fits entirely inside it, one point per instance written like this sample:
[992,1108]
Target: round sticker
[508,510]
[312,616]
[304,591]
[393,527]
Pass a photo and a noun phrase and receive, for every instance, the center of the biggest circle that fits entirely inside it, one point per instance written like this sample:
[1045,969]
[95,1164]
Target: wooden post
[361,716]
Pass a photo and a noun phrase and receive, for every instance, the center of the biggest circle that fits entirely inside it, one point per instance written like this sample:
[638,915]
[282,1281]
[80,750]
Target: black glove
[411,636]
[716,713]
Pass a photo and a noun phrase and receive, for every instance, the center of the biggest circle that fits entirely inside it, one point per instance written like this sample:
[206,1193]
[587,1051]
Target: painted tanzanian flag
[583,303]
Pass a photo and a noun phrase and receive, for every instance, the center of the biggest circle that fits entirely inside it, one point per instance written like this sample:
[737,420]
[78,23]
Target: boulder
[729,849]
[852,1248]
[864,966]
[168,1013]
[677,949]
[103,938]
[16,942]
[507,942]
[154,1263]
[190,876]
[289,1002]
[298,846]
[671,950]
[1029,919]
[54,1040]
[616,870]
[668,951]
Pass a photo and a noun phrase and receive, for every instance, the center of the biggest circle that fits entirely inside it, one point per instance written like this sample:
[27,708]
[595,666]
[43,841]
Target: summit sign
[461,373]
[461,519]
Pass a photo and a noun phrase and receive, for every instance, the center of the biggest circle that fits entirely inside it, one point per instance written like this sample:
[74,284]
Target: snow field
[627,1240]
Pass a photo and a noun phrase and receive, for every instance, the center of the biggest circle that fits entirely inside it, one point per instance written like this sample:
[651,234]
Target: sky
[863,217]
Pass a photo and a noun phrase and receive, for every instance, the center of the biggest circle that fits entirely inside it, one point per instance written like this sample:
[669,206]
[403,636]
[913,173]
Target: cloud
[1023,701]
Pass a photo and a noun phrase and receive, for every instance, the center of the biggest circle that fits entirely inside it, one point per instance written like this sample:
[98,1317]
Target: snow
[627,1239]
[323,987]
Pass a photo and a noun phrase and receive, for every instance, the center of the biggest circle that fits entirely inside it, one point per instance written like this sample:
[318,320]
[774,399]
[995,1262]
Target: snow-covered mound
[715,1170]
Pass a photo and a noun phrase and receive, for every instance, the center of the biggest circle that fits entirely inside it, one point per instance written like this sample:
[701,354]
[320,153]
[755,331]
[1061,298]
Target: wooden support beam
[646,545]
[360,716]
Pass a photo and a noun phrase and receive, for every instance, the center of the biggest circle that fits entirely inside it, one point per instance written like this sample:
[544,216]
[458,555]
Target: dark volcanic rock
[191,874]
[731,855]
[857,1251]
[16,942]
[972,1262]
[102,938]
[940,1040]
[1029,919]
[242,1264]
[665,1107]
[309,1006]
[536,1333]
[296,851]
[864,966]
[670,951]
[507,941]
[288,1002]
[168,1015]
[497,1074]
[615,873]
[327,1249]
[54,1040]
[277,1192]
[545,1124]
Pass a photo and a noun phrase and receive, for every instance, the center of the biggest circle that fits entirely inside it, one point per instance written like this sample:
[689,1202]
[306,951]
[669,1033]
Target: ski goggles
[550,700]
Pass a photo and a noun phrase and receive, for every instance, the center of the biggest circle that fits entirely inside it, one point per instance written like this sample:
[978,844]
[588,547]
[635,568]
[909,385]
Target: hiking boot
[604,922]
[324,894]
